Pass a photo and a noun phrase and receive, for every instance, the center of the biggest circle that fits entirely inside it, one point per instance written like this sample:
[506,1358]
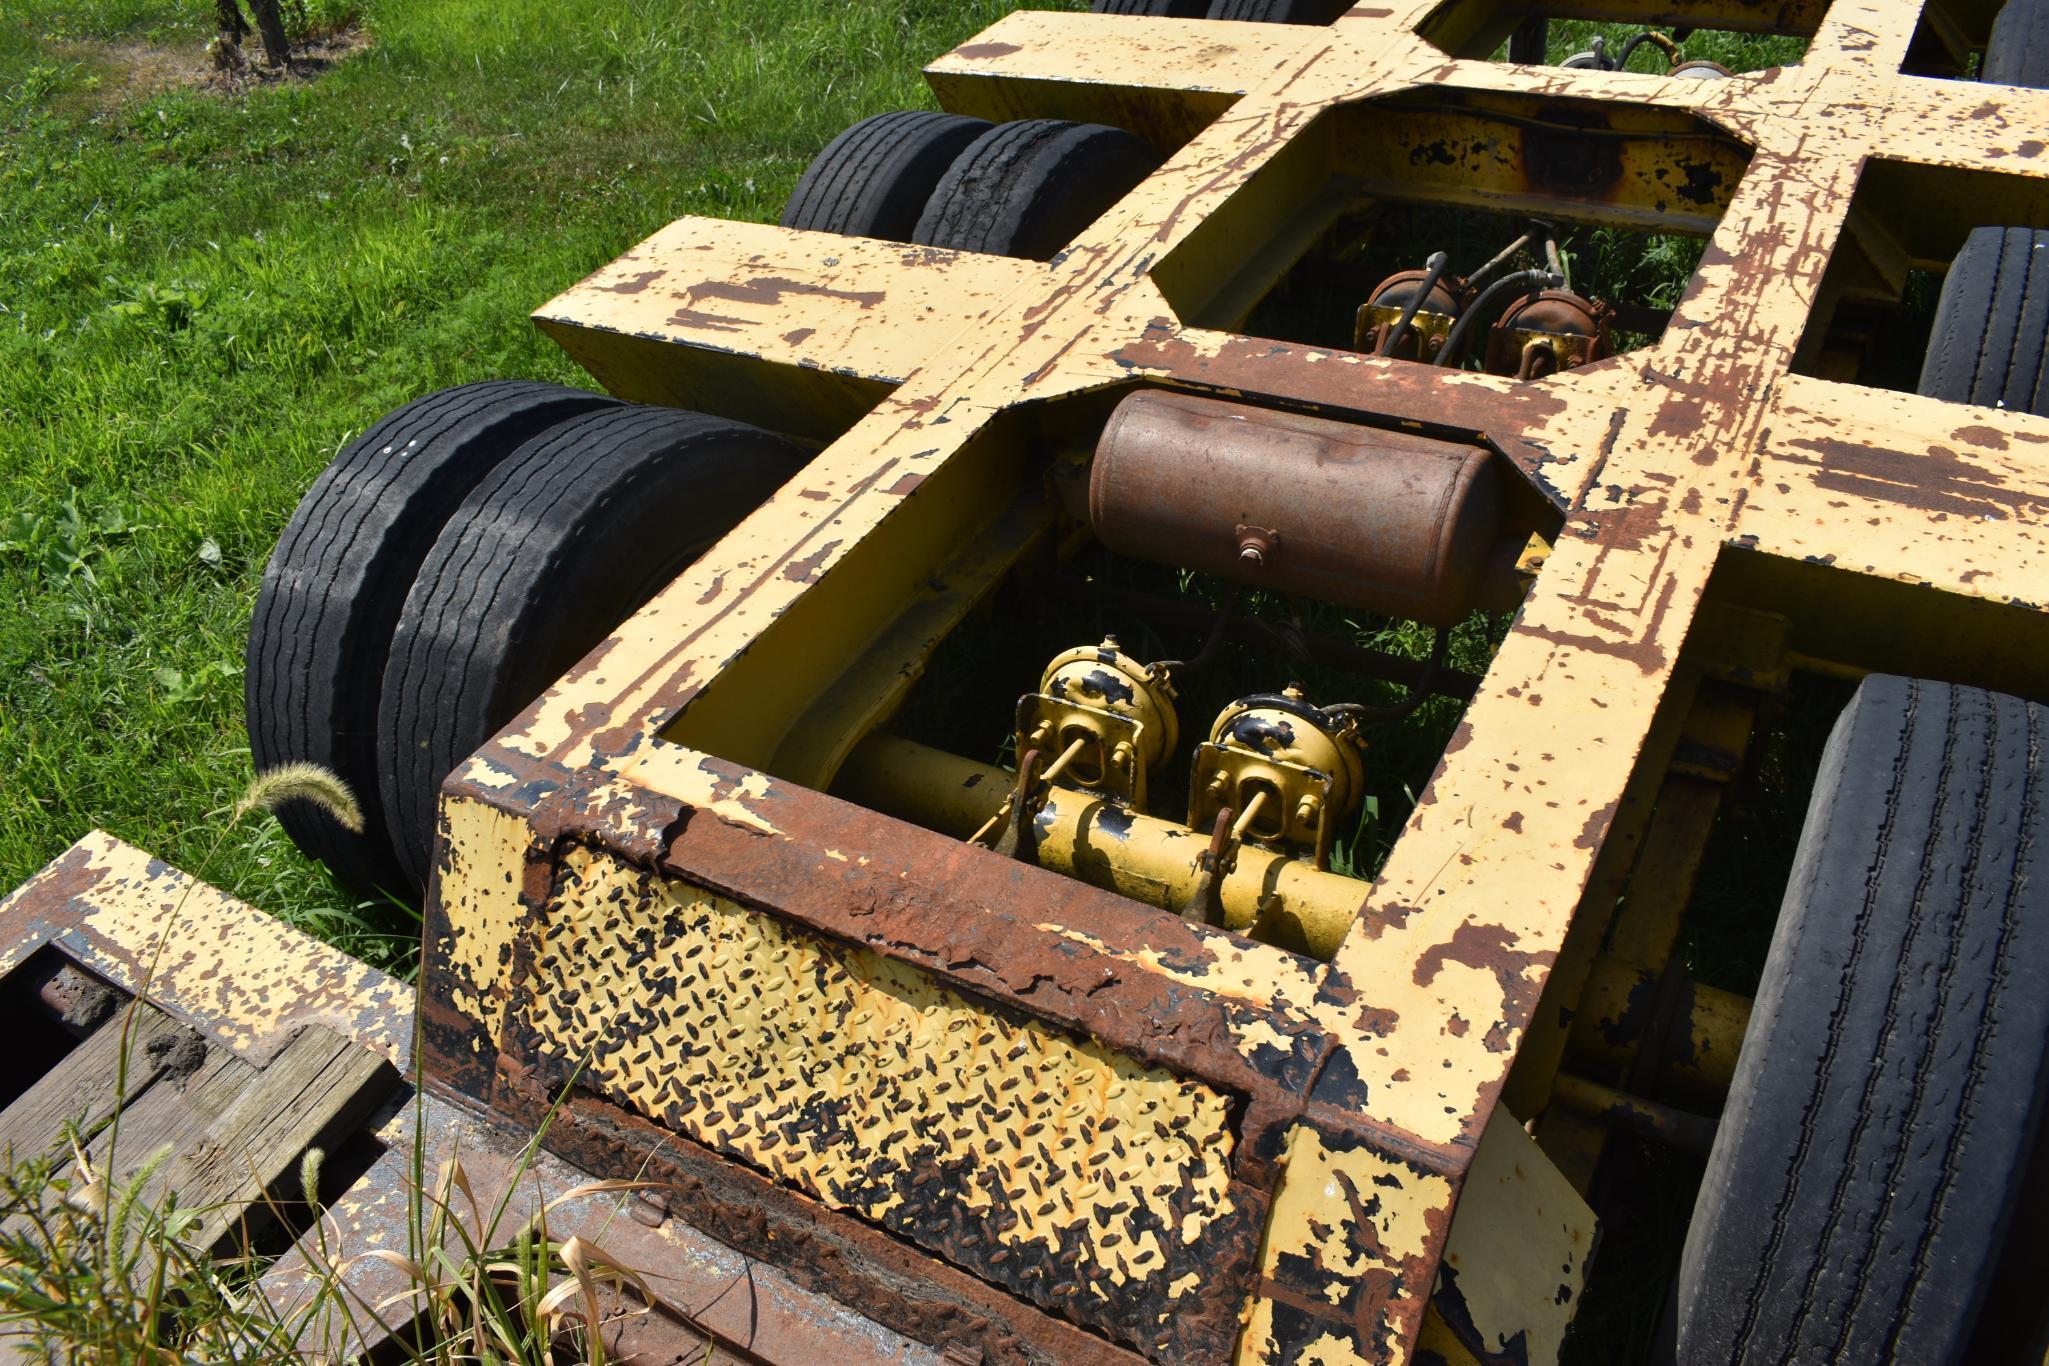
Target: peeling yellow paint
[848,1074]
[239,976]
[1346,1215]
[482,871]
[912,367]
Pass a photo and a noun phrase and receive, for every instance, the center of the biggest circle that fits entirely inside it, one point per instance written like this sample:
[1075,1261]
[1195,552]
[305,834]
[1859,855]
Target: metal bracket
[1220,781]
[1110,766]
[1018,840]
[1204,903]
[1431,329]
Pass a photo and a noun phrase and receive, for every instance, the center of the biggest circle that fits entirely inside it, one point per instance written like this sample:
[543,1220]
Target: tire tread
[336,580]
[1025,188]
[571,533]
[1856,1198]
[1279,11]
[874,178]
[2017,53]
[1989,343]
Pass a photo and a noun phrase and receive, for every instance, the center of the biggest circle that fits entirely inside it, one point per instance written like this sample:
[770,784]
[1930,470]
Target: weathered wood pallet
[252,1044]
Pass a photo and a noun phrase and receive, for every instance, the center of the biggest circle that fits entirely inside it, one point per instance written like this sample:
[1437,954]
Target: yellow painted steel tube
[1615,1009]
[1284,901]
[1633,1114]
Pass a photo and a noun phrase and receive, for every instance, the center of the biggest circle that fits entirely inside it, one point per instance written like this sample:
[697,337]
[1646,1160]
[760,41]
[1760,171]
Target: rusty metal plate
[1070,1173]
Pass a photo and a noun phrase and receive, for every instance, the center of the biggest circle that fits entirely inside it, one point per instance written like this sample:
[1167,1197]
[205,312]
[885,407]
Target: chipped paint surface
[1088,1177]
[1947,492]
[241,978]
[1332,1117]
[1515,1260]
[479,882]
[1342,1277]
[1247,970]
[780,337]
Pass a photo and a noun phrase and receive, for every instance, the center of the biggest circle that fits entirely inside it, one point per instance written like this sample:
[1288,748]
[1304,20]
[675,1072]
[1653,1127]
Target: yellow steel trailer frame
[989,1105]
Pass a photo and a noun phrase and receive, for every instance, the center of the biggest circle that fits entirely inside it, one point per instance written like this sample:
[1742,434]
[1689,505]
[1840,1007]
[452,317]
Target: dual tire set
[1023,188]
[450,565]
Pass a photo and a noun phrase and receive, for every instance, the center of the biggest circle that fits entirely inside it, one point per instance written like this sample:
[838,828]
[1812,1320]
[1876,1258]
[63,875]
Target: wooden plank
[189,1084]
[80,1087]
[315,1092]
[707,1293]
[174,1112]
[234,1132]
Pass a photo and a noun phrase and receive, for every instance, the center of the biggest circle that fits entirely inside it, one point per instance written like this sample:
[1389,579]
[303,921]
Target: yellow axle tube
[1281,900]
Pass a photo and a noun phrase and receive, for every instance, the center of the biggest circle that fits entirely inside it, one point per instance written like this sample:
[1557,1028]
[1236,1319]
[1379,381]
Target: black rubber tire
[2017,53]
[1280,11]
[1158,9]
[1991,331]
[1890,1084]
[1026,188]
[873,179]
[332,592]
[571,534]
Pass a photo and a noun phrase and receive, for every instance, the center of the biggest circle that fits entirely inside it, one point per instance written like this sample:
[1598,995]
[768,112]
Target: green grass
[202,297]
[1739,52]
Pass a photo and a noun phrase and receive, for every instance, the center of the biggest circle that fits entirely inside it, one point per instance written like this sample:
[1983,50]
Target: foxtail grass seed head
[309,1176]
[303,782]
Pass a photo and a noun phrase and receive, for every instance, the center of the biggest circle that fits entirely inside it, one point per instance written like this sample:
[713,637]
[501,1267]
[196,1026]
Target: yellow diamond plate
[866,1083]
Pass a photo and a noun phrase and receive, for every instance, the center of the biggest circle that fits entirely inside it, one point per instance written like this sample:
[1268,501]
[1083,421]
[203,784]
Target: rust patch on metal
[699,321]
[1393,1055]
[769,290]
[1071,1175]
[635,283]
[806,569]
[1934,480]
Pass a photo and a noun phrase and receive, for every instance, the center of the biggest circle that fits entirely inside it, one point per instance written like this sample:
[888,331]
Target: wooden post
[271,25]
